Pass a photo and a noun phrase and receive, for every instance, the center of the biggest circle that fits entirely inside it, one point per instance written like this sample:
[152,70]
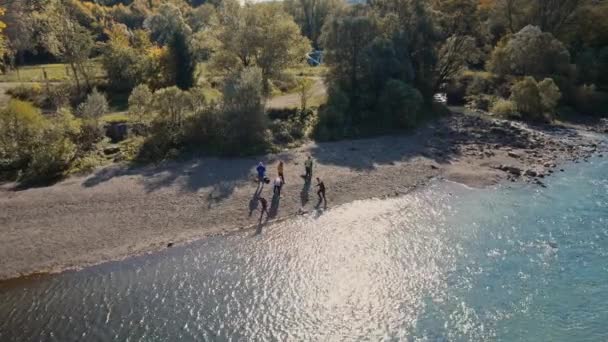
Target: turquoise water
[517,263]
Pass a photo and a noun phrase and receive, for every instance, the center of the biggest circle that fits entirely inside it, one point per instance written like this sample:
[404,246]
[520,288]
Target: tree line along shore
[139,81]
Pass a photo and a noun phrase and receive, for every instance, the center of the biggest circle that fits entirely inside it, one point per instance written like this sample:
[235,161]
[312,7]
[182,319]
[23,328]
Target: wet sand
[120,211]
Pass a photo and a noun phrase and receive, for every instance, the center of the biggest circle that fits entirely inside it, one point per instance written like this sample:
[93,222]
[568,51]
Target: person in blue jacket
[261,172]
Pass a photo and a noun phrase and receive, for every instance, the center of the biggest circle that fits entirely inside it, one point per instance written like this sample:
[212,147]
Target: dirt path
[293,100]
[118,211]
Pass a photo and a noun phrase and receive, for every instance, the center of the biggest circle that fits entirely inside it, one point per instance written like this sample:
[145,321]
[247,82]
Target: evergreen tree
[185,66]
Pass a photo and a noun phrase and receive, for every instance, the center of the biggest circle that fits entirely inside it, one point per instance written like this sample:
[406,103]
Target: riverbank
[118,211]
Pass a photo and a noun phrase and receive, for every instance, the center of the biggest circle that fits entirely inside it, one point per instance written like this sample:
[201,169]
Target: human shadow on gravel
[274,207]
[222,175]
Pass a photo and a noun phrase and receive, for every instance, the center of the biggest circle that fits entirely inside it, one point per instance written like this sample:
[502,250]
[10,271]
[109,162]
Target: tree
[165,23]
[243,110]
[65,38]
[185,65]
[20,29]
[530,52]
[344,40]
[311,15]
[305,87]
[555,15]
[2,37]
[453,55]
[261,35]
[458,24]
[140,102]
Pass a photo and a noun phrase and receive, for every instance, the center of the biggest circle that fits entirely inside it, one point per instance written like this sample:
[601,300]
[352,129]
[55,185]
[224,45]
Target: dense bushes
[530,52]
[181,119]
[32,147]
[535,101]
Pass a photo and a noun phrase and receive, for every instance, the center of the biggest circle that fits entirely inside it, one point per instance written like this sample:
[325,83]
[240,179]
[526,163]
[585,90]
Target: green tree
[243,110]
[311,15]
[165,23]
[261,35]
[305,86]
[344,40]
[184,61]
[530,52]
[65,38]
[140,102]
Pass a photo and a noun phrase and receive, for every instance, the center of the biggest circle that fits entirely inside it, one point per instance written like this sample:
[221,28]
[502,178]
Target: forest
[95,82]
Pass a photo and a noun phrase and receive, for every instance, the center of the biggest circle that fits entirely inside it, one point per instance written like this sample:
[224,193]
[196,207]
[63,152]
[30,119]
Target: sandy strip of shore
[118,212]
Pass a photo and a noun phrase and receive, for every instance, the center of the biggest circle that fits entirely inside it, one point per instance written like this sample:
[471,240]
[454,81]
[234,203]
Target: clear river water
[445,263]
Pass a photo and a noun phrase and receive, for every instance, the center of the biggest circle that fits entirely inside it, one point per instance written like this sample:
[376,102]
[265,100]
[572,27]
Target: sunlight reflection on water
[443,264]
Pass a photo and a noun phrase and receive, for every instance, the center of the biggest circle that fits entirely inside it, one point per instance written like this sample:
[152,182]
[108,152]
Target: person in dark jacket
[321,191]
[264,208]
[261,169]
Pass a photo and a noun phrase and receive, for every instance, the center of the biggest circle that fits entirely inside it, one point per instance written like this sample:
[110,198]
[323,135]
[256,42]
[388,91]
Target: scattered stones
[531,173]
[513,155]
[514,170]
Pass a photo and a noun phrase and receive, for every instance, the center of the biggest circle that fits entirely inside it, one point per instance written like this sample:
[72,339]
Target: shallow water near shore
[445,263]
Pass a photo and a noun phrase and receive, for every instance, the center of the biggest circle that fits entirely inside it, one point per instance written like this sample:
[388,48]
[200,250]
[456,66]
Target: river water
[446,263]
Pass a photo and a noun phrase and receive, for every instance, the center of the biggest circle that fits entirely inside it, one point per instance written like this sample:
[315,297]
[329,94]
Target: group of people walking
[279,181]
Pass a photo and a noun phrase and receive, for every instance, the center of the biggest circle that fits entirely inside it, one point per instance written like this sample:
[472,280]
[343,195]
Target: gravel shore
[120,211]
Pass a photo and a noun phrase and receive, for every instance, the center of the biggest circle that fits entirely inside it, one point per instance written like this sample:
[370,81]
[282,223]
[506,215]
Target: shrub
[526,96]
[504,108]
[30,93]
[401,105]
[91,133]
[51,159]
[21,128]
[206,129]
[549,95]
[535,101]
[332,122]
[479,84]
[285,83]
[140,103]
[481,102]
[38,148]
[172,104]
[94,107]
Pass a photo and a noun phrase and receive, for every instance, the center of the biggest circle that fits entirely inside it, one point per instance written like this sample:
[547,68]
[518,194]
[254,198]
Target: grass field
[55,73]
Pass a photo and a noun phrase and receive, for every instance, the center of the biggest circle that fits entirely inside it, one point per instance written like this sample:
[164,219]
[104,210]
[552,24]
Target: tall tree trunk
[75,73]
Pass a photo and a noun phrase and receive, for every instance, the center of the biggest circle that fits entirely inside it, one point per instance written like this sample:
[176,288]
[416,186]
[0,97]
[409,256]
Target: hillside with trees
[94,82]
